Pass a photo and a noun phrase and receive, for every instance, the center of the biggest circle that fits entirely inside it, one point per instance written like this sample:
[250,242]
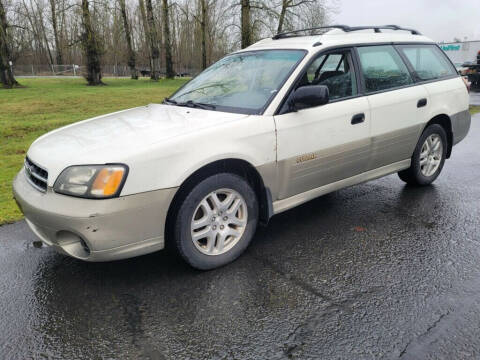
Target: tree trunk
[128,38]
[281,18]
[203,27]
[44,35]
[58,47]
[246,24]
[153,38]
[168,44]
[91,48]
[6,75]
[141,5]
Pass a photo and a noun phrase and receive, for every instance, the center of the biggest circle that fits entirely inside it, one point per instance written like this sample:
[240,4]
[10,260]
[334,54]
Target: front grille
[36,176]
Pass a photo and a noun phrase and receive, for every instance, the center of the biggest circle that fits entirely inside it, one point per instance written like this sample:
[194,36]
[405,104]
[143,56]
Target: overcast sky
[437,19]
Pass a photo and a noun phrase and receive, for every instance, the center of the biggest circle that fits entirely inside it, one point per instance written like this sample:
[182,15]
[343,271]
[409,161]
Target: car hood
[115,137]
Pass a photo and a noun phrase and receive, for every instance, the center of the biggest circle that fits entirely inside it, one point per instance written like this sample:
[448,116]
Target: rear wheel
[428,158]
[216,221]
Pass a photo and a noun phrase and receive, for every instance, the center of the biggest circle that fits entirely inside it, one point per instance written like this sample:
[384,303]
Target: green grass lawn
[474,109]
[45,104]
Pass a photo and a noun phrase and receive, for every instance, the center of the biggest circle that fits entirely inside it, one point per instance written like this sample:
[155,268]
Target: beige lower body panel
[322,167]
[460,125]
[395,145]
[288,203]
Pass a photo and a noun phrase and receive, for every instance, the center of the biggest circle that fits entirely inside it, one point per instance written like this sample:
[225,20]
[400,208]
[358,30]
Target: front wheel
[216,221]
[428,158]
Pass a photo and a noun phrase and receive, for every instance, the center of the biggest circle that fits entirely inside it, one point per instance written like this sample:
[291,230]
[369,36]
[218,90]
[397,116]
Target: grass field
[474,109]
[46,104]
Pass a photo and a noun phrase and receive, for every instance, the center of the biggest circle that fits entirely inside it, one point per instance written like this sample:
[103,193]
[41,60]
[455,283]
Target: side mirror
[310,96]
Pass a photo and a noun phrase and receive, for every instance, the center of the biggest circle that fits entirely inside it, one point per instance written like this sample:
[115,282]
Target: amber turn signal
[107,181]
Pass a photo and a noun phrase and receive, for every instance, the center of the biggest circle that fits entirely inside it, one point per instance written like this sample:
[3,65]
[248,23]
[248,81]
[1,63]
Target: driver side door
[321,145]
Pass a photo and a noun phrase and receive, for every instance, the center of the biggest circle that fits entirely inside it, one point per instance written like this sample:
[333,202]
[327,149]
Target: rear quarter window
[428,61]
[383,68]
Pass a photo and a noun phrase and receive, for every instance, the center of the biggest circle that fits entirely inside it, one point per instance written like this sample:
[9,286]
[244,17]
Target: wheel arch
[235,166]
[444,121]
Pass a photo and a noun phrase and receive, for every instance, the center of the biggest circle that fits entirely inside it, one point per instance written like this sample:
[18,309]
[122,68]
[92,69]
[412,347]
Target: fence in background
[77,70]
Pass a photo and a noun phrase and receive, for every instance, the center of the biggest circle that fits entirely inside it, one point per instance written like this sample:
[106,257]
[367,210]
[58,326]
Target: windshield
[243,82]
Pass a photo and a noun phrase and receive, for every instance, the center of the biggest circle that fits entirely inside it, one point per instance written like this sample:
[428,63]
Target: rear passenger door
[434,71]
[397,105]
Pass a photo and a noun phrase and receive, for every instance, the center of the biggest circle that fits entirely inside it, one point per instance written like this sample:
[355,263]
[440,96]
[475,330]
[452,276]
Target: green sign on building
[450,47]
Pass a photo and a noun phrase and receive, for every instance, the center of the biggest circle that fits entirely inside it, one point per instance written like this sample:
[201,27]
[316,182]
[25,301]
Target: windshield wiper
[169,101]
[198,105]
[190,103]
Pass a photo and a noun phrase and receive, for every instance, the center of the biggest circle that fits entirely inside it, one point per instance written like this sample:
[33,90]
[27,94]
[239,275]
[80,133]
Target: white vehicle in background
[261,131]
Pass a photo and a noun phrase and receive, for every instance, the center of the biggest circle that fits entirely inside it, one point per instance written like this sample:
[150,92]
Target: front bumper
[95,230]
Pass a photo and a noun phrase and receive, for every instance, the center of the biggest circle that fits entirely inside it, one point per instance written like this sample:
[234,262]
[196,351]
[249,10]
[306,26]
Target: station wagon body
[261,131]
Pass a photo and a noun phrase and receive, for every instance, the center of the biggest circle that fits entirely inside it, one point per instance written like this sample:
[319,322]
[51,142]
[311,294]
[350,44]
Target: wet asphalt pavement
[379,270]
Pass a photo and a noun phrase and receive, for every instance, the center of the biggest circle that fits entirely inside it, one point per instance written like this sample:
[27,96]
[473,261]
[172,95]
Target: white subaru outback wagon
[262,130]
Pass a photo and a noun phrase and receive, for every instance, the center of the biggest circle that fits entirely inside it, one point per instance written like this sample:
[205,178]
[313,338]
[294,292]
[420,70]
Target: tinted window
[335,71]
[428,61]
[383,68]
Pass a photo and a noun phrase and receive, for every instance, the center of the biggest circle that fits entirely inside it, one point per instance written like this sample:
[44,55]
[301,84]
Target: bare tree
[203,31]
[40,12]
[286,6]
[306,13]
[58,47]
[91,47]
[34,15]
[146,34]
[201,20]
[128,38]
[153,41]
[246,26]
[193,33]
[6,75]
[166,37]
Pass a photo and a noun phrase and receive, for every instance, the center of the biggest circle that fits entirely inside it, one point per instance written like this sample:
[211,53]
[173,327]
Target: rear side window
[383,68]
[428,61]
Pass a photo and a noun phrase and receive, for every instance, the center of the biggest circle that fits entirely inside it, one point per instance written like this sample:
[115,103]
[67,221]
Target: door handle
[421,103]
[357,119]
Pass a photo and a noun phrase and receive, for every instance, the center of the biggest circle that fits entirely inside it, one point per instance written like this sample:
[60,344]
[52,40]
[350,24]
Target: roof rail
[378,28]
[346,28]
[291,33]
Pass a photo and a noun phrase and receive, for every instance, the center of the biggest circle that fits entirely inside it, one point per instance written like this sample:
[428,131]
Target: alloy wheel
[219,221]
[431,155]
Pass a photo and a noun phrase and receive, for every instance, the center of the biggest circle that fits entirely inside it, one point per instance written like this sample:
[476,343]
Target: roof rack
[346,28]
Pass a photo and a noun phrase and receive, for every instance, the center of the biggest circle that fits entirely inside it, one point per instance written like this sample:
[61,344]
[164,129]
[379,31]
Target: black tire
[413,175]
[182,237]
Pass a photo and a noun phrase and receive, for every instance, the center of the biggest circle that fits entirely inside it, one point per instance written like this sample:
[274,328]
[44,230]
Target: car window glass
[333,70]
[242,82]
[383,68]
[428,61]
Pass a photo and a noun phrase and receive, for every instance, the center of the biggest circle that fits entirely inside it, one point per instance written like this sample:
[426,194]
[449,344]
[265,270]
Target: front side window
[428,61]
[243,82]
[383,68]
[335,71]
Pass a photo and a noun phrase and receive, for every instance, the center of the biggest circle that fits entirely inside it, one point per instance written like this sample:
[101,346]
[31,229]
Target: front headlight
[92,181]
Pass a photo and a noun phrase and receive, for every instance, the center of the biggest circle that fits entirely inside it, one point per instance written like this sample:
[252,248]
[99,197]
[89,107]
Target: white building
[462,52]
